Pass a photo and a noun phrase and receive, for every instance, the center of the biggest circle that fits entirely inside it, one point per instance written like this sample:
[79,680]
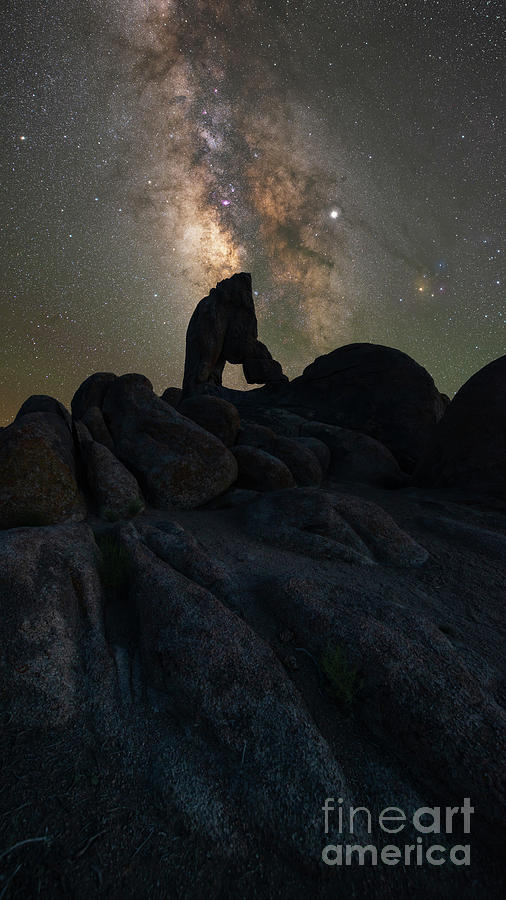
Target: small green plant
[114,563]
[344,679]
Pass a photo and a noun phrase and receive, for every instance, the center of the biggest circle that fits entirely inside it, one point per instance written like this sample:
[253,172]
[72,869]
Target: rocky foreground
[220,608]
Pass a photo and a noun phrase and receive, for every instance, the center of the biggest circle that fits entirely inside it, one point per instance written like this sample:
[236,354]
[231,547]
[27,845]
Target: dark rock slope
[216,614]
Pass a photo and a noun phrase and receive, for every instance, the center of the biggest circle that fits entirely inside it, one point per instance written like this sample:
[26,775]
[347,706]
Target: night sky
[348,154]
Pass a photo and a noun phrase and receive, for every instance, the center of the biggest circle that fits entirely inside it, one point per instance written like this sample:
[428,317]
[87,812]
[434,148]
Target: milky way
[347,154]
[238,185]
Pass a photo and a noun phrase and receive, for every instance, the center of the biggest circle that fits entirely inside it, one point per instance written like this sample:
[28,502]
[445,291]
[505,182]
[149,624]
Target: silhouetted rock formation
[373,389]
[91,393]
[41,403]
[223,328]
[468,446]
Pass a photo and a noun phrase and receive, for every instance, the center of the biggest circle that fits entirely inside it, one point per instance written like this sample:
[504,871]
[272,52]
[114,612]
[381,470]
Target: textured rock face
[468,447]
[37,472]
[223,328]
[213,414]
[417,688]
[251,720]
[332,526]
[174,459]
[376,390]
[176,546]
[55,664]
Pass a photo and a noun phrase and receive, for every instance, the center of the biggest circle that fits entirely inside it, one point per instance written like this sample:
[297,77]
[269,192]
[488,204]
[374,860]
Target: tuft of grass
[344,679]
[114,564]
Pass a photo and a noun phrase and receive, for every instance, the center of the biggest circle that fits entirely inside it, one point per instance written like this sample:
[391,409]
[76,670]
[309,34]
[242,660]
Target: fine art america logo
[422,827]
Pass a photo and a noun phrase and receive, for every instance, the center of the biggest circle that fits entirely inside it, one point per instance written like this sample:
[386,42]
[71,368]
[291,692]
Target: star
[213,125]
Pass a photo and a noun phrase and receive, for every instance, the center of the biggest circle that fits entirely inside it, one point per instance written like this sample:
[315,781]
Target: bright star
[334,214]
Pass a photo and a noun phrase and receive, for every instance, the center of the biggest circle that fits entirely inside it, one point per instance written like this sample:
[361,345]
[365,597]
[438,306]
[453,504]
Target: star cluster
[348,154]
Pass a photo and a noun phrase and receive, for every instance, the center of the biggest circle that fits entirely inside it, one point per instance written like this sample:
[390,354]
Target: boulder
[376,390]
[301,461]
[223,328]
[468,447]
[320,449]
[114,489]
[281,421]
[37,472]
[174,460]
[254,435]
[260,368]
[82,435]
[356,457]
[326,525]
[172,396]
[45,404]
[91,393]
[213,414]
[94,421]
[260,471]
